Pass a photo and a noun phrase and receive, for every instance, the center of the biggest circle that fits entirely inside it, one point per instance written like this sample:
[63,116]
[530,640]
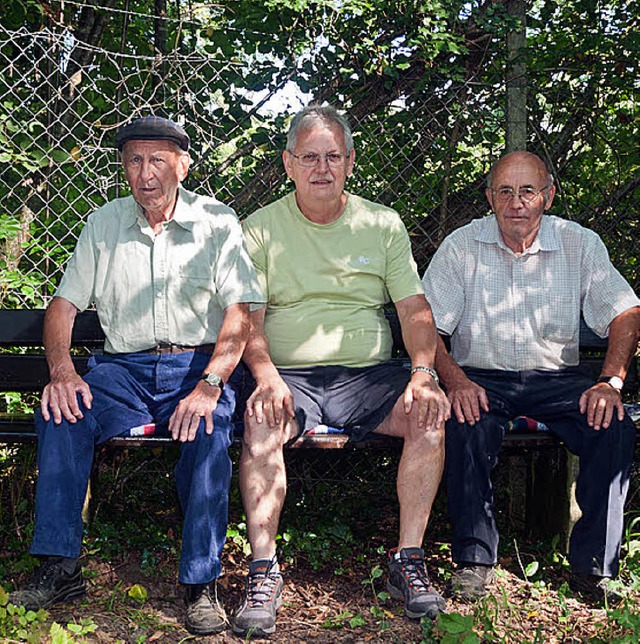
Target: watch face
[616,382]
[213,380]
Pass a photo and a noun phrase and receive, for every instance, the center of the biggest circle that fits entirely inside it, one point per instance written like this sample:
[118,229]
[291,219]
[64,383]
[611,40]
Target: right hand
[271,398]
[467,399]
[60,397]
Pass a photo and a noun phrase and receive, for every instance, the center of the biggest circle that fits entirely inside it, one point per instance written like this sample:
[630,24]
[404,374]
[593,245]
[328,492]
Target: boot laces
[416,574]
[261,586]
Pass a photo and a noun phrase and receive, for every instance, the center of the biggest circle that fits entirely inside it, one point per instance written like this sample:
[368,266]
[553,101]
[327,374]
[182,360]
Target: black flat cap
[153,128]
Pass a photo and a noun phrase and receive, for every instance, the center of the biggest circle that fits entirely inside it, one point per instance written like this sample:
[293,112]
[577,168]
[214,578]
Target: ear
[489,195]
[287,161]
[549,200]
[351,160]
[183,166]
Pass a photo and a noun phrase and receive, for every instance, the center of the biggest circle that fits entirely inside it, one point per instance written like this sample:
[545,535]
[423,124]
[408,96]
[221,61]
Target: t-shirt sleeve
[401,279]
[253,234]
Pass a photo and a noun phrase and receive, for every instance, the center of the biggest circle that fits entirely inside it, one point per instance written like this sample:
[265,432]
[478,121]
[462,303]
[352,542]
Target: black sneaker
[263,596]
[205,613]
[470,581]
[594,588]
[51,584]
[408,581]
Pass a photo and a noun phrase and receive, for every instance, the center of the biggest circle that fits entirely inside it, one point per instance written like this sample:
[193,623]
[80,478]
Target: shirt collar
[546,239]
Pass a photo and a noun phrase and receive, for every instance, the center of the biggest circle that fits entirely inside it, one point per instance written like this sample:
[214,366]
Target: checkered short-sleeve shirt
[523,312]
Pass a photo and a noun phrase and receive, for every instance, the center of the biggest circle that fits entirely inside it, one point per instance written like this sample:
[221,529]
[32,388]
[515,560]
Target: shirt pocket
[556,318]
[194,287]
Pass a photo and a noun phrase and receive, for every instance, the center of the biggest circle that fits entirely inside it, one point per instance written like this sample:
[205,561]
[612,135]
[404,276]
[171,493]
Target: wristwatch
[429,370]
[213,380]
[613,381]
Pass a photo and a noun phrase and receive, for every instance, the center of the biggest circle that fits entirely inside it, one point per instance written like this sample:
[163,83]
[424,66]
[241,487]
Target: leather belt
[164,348]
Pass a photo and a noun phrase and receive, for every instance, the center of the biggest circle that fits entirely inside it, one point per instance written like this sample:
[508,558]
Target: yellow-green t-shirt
[326,285]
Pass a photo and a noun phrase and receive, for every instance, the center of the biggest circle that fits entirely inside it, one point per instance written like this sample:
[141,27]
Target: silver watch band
[429,370]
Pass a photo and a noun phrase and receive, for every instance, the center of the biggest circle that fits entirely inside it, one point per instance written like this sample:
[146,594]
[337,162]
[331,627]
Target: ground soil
[318,605]
[341,524]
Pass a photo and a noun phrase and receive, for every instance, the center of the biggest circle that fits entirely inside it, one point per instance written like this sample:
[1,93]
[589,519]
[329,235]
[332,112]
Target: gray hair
[328,114]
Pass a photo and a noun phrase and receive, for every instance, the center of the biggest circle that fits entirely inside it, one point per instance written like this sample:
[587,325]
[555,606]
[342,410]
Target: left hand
[200,403]
[433,405]
[599,403]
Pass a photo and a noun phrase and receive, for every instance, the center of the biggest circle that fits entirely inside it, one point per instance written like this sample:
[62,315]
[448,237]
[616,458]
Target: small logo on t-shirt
[361,260]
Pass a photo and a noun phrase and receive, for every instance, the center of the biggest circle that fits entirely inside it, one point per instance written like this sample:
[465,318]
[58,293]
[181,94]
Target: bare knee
[259,440]
[431,438]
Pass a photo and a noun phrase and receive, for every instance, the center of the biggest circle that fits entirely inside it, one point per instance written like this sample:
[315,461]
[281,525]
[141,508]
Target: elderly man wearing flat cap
[169,275]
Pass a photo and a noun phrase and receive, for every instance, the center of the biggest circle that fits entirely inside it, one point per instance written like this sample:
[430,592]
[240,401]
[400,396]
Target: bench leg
[551,506]
[86,506]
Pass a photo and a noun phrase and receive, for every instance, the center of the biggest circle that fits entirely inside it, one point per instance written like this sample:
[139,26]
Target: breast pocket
[556,319]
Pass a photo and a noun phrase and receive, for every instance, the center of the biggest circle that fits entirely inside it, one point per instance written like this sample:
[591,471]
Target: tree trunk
[517,79]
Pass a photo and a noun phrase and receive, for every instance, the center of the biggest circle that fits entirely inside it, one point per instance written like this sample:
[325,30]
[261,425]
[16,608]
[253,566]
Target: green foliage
[138,593]
[423,83]
[380,597]
[17,623]
[330,542]
[237,533]
[449,628]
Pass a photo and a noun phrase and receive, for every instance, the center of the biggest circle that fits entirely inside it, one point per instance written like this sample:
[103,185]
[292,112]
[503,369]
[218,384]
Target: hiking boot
[263,596]
[205,613]
[470,581]
[600,590]
[51,584]
[408,581]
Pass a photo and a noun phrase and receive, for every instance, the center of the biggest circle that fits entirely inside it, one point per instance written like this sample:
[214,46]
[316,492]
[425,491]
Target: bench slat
[23,328]
[19,372]
[28,373]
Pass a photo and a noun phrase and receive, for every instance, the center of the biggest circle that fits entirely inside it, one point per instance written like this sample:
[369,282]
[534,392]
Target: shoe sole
[257,631]
[68,595]
[431,613]
[195,630]
[468,596]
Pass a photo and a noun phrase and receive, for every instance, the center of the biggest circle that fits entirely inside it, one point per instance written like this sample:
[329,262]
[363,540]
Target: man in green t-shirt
[319,351]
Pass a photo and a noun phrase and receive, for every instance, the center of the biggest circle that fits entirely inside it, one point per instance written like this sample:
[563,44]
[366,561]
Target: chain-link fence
[424,143]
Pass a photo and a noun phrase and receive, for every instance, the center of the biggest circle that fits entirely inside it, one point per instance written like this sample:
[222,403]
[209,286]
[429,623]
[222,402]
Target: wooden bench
[23,369]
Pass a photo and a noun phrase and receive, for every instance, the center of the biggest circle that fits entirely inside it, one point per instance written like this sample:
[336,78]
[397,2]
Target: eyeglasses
[526,195]
[312,159]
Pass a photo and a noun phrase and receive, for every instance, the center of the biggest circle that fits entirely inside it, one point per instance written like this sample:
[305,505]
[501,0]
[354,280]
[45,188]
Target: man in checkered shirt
[510,289]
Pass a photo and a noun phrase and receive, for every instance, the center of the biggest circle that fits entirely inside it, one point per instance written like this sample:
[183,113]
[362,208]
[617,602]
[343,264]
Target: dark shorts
[353,399]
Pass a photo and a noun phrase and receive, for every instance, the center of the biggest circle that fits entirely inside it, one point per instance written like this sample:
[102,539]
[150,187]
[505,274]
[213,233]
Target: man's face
[519,220]
[323,182]
[154,169]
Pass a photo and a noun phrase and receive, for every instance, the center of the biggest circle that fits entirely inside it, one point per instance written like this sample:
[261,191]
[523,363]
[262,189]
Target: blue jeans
[605,462]
[131,390]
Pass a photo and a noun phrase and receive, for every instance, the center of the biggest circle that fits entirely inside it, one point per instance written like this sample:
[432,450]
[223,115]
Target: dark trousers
[605,460]
[131,390]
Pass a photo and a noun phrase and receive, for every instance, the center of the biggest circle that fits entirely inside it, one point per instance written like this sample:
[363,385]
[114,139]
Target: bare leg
[263,481]
[419,472]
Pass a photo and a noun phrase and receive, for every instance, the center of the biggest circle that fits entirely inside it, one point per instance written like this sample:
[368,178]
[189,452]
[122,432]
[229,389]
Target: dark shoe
[599,590]
[408,581]
[263,596]
[205,613]
[51,584]
[470,582]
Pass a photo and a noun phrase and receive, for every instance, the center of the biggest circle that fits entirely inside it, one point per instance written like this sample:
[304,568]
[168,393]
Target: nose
[145,171]
[518,199]
[322,161]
